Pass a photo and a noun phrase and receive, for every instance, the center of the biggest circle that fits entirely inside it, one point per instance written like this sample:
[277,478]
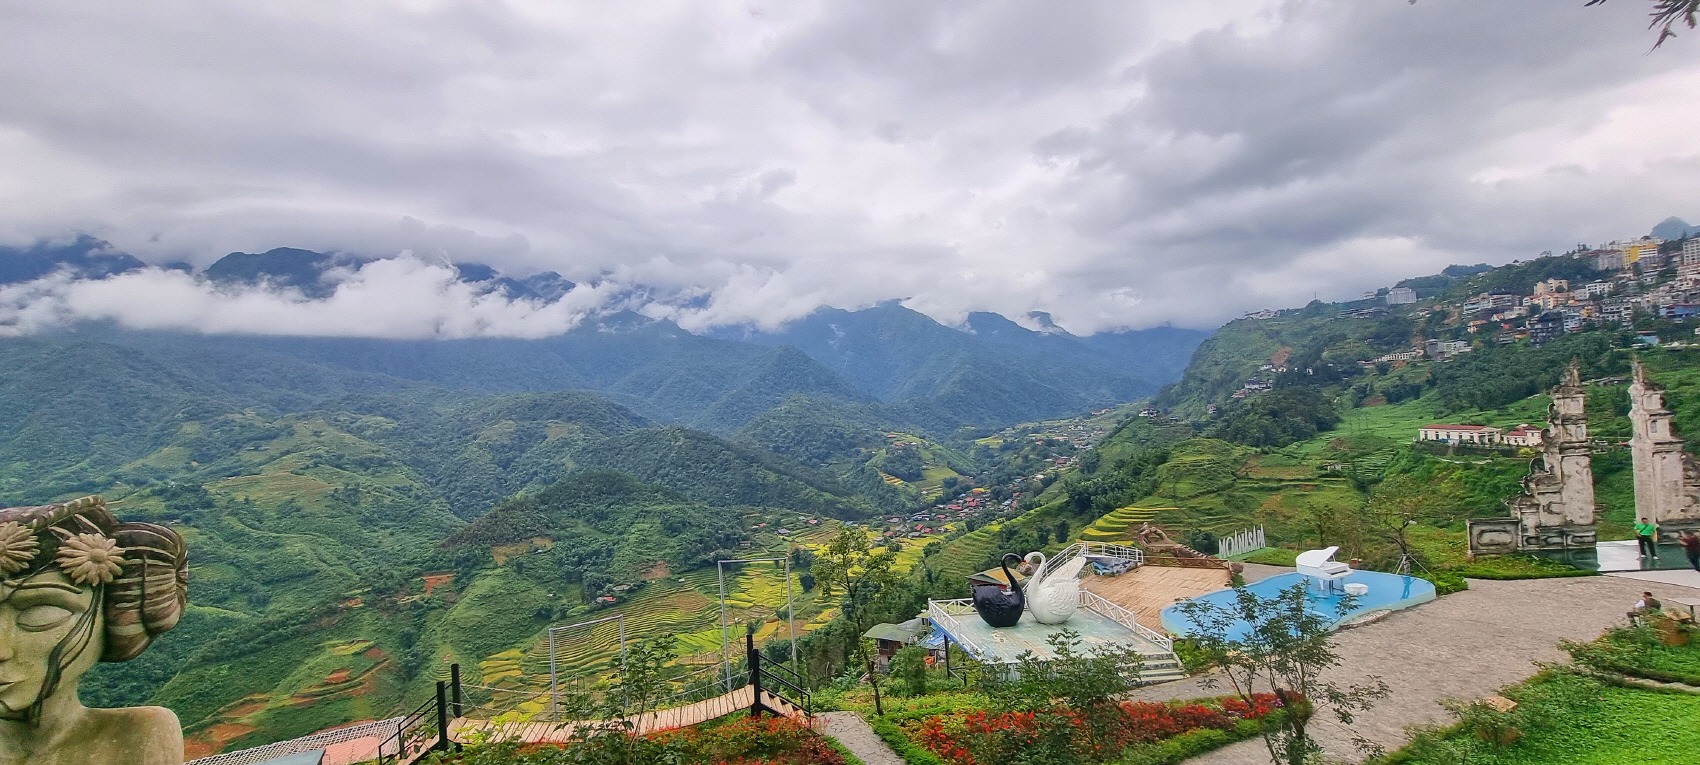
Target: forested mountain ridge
[84,256]
[317,498]
[359,509]
[989,372]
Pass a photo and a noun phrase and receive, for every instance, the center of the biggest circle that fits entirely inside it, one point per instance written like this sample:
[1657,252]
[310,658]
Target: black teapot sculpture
[999,608]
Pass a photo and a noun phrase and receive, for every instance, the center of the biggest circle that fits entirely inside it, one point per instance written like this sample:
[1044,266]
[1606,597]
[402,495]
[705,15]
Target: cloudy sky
[1118,164]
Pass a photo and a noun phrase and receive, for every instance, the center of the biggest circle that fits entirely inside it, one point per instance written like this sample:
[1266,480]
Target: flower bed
[752,741]
[985,738]
[736,741]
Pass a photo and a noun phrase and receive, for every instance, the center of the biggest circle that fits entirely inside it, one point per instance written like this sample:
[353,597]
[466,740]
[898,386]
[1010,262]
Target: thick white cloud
[1115,163]
[400,297]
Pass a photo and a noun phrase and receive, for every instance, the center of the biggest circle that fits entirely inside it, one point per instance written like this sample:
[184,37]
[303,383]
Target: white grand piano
[1321,566]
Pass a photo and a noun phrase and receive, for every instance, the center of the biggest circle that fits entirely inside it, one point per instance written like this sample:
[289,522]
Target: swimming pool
[1387,592]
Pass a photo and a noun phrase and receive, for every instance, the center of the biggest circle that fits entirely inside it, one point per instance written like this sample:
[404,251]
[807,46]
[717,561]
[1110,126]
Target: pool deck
[1464,645]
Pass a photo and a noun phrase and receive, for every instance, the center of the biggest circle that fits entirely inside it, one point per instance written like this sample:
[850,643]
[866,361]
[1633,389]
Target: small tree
[1281,644]
[1402,501]
[909,669]
[849,565]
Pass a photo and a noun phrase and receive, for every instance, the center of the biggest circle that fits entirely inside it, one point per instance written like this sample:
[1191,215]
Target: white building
[1459,434]
[1608,260]
[1593,290]
[1401,296]
[1441,349]
[1522,435]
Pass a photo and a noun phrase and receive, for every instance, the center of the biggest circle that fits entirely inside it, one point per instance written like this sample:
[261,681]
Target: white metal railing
[1104,549]
[1125,618]
[943,613]
[1241,543]
[1113,550]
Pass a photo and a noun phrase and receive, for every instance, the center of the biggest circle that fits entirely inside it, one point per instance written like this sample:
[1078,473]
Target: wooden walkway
[462,729]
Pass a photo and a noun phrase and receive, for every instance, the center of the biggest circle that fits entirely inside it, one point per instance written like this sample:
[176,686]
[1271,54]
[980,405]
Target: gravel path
[1465,645]
[856,735]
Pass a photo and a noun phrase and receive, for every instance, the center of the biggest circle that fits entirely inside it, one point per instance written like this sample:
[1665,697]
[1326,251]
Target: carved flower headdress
[90,558]
[84,552]
[18,546]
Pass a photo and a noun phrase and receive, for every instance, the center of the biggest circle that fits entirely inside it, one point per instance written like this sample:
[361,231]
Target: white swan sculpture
[1053,597]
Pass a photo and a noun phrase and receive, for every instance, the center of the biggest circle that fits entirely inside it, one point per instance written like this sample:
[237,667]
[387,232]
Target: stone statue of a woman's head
[78,586]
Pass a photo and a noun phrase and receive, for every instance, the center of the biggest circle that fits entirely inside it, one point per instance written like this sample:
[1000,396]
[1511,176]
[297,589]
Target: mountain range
[908,368]
[325,483]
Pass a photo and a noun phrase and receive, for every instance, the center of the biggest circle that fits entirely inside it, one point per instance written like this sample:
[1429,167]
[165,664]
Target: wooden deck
[737,701]
[1147,590]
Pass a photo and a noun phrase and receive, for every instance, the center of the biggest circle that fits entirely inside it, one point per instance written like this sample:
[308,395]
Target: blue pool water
[1386,591]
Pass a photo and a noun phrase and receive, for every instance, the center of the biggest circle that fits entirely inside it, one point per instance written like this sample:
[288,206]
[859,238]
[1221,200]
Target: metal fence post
[442,716]
[454,690]
[755,674]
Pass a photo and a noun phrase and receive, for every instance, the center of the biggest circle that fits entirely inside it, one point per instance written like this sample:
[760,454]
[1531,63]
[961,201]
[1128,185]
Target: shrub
[1519,567]
[1445,582]
[909,669]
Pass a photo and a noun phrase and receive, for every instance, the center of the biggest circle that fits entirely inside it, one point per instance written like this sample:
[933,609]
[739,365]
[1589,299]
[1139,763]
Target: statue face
[36,615]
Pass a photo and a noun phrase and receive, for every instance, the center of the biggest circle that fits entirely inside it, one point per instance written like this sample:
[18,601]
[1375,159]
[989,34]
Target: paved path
[856,735]
[1685,577]
[1464,645]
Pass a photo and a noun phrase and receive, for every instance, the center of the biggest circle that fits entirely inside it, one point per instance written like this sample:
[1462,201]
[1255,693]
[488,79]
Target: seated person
[1645,606]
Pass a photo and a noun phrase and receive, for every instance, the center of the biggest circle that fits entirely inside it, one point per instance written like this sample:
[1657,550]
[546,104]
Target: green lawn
[1570,720]
[1621,726]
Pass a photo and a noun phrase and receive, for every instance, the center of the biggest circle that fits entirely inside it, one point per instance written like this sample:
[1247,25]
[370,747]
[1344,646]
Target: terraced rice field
[962,556]
[1120,525]
[912,549]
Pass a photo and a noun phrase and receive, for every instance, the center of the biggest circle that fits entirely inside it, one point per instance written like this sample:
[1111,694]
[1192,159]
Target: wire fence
[589,698]
[575,699]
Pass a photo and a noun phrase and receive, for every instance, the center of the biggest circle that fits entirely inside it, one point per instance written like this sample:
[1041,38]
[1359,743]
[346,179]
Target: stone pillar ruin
[1556,509]
[1667,478]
